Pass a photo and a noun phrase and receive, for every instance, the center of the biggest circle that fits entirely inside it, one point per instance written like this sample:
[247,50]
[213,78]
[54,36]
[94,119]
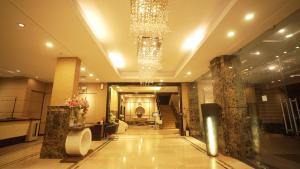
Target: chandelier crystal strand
[149,18]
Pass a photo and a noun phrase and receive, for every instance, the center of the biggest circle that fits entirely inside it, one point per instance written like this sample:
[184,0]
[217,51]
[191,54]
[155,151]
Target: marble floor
[140,147]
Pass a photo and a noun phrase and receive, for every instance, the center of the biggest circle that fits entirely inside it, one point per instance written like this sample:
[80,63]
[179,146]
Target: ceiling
[91,29]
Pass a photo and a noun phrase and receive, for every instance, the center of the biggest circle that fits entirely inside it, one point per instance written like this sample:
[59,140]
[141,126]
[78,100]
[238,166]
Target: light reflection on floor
[153,151]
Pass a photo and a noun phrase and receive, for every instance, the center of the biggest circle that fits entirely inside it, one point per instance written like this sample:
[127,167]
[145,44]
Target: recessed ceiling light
[18,71]
[249,16]
[251,67]
[273,81]
[279,80]
[21,25]
[285,52]
[82,69]
[91,74]
[297,47]
[49,44]
[281,31]
[272,67]
[161,80]
[97,79]
[277,56]
[117,59]
[289,35]
[189,73]
[230,34]
[257,53]
[230,67]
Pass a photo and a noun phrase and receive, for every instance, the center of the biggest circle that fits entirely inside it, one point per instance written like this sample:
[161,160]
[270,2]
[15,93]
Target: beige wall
[9,89]
[97,99]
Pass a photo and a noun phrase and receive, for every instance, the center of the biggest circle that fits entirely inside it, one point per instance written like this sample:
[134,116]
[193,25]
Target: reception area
[149,84]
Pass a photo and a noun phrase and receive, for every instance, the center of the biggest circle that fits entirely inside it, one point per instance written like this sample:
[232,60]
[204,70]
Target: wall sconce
[210,113]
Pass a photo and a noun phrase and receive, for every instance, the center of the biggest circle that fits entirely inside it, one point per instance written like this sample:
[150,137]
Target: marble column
[234,126]
[65,85]
[194,120]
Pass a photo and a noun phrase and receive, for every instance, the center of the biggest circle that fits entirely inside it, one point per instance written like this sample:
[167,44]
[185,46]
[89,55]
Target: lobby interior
[150,84]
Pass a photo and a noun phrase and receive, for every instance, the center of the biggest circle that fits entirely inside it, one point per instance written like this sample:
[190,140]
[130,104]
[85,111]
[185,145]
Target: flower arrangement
[78,109]
[77,102]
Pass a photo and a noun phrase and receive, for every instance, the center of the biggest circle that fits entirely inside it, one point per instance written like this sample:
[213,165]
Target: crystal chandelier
[149,24]
[149,17]
[149,51]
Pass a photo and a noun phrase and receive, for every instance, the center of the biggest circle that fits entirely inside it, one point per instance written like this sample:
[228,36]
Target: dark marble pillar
[234,127]
[56,131]
[194,120]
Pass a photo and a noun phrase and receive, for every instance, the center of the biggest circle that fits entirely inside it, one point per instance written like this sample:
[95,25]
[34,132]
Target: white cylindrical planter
[78,142]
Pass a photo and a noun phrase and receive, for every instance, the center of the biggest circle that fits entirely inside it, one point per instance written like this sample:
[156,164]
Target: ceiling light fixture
[272,67]
[117,59]
[189,73]
[161,80]
[231,34]
[91,74]
[277,56]
[49,44]
[18,71]
[285,52]
[83,69]
[97,79]
[230,67]
[297,47]
[281,31]
[249,16]
[36,77]
[257,53]
[21,25]
[289,35]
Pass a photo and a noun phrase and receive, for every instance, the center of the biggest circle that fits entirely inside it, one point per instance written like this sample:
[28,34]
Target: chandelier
[149,24]
[149,17]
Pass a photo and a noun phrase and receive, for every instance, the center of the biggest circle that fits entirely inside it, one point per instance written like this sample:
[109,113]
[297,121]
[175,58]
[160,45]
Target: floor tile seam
[15,162]
[100,147]
[220,162]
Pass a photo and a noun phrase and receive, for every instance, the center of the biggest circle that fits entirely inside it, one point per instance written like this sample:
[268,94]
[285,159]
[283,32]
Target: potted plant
[78,108]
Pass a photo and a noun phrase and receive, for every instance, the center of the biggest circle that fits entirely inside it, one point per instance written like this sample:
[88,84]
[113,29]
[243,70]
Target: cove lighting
[49,44]
[193,41]
[156,88]
[231,34]
[249,16]
[281,31]
[83,69]
[21,25]
[272,67]
[93,19]
[117,59]
[289,35]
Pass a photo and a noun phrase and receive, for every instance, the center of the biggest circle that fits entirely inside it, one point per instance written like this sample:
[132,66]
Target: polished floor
[140,147]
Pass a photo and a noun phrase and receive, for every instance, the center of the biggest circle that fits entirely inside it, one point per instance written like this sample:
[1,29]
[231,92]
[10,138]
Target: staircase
[168,118]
